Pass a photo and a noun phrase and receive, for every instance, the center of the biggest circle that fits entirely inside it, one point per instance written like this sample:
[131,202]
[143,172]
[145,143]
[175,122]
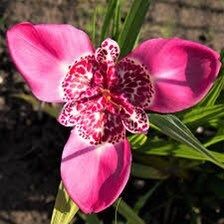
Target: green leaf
[64,208]
[174,149]
[116,21]
[52,110]
[142,199]
[202,115]
[93,33]
[222,56]
[171,126]
[132,25]
[217,138]
[127,212]
[112,6]
[147,172]
[137,140]
[214,93]
[92,219]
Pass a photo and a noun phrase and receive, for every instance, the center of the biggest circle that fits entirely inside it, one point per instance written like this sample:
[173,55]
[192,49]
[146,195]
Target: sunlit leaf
[137,140]
[202,115]
[171,126]
[64,208]
[176,150]
[219,137]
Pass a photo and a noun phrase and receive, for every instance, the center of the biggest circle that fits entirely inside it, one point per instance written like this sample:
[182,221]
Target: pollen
[106,94]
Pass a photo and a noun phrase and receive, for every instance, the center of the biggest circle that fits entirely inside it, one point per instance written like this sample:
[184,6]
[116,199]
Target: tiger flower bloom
[104,96]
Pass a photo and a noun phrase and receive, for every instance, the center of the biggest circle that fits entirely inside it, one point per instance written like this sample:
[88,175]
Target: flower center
[106,94]
[111,101]
[104,97]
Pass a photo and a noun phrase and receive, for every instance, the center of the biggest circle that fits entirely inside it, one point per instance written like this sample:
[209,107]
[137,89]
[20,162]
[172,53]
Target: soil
[31,142]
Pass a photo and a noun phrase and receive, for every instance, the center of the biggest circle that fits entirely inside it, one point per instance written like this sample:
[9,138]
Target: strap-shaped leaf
[202,115]
[113,5]
[143,199]
[132,25]
[219,137]
[50,109]
[214,93]
[137,140]
[116,21]
[171,126]
[64,208]
[173,149]
[127,212]
[147,172]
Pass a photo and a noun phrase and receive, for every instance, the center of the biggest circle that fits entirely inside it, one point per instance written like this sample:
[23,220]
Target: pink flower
[105,96]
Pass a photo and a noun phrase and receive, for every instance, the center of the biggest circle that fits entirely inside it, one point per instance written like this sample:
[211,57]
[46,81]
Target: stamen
[108,96]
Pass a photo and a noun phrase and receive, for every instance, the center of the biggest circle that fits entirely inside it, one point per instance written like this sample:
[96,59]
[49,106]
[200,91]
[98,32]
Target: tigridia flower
[104,96]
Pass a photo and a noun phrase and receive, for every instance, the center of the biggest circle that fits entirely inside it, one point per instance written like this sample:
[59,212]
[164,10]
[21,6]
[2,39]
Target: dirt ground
[31,142]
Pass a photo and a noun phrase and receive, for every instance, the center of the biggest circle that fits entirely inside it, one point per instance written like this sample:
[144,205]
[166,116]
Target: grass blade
[216,89]
[142,200]
[132,25]
[137,140]
[174,149]
[64,208]
[170,125]
[45,107]
[201,115]
[93,33]
[108,18]
[147,172]
[214,92]
[116,21]
[127,212]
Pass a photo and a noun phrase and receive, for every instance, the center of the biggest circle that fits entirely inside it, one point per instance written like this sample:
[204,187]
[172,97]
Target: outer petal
[182,71]
[42,53]
[137,121]
[94,176]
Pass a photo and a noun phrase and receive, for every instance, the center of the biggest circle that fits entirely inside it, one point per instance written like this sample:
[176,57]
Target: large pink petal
[94,176]
[182,71]
[42,53]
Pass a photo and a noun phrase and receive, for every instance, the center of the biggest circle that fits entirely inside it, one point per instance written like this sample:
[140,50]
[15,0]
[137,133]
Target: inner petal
[133,118]
[100,126]
[79,77]
[137,121]
[108,52]
[95,120]
[134,82]
[72,110]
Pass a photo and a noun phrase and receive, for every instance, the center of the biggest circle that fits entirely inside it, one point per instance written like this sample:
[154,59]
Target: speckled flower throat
[105,97]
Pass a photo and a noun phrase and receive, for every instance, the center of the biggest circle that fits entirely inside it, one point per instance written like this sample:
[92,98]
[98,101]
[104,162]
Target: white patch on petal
[101,148]
[64,68]
[167,74]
